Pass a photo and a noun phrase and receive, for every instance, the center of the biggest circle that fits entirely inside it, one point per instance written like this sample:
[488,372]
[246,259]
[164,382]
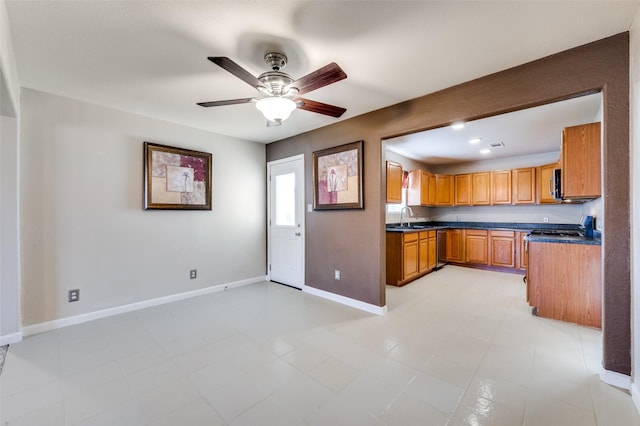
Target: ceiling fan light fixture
[276,108]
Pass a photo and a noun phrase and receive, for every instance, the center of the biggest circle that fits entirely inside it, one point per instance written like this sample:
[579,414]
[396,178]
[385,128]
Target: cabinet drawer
[479,232]
[413,236]
[432,234]
[506,234]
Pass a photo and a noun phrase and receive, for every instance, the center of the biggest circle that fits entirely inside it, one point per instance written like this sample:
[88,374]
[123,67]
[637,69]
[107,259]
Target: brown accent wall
[353,241]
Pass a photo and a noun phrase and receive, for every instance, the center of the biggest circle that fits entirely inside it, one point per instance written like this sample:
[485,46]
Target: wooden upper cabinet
[524,186]
[432,189]
[501,187]
[444,190]
[462,184]
[545,187]
[481,189]
[419,191]
[394,182]
[581,161]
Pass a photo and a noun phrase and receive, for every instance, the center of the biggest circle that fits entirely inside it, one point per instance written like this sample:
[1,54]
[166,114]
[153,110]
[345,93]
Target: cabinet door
[410,255]
[501,187]
[477,246]
[524,186]
[433,250]
[414,188]
[481,189]
[444,190]
[545,189]
[462,185]
[581,161]
[424,188]
[423,251]
[432,189]
[522,249]
[455,252]
[418,191]
[394,182]
[503,249]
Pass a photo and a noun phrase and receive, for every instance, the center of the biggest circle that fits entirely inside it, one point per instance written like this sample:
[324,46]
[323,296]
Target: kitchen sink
[408,227]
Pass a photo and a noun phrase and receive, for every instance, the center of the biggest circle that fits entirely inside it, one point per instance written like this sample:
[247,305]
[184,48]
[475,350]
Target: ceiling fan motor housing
[276,61]
[277,83]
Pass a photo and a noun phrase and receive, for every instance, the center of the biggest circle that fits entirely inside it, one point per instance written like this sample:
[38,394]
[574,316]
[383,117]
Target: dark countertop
[427,226]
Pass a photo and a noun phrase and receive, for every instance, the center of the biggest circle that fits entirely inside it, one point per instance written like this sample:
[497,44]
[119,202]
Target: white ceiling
[150,57]
[532,131]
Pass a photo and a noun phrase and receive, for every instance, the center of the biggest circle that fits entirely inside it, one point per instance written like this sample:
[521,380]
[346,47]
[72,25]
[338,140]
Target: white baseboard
[373,309]
[613,378]
[103,313]
[9,339]
[635,395]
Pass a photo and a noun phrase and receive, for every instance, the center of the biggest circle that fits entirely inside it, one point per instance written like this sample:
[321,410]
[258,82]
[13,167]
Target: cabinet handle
[550,186]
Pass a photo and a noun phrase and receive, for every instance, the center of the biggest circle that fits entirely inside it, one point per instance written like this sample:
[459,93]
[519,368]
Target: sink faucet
[402,211]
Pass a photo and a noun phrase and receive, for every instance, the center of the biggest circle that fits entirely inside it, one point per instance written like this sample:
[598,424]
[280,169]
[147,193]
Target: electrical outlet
[336,275]
[74,295]
[545,219]
[193,274]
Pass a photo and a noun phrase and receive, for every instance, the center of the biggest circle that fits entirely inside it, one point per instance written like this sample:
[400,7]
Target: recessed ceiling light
[475,140]
[458,125]
[485,151]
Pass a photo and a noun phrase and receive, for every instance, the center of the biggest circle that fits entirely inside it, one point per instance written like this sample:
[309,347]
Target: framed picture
[337,177]
[176,178]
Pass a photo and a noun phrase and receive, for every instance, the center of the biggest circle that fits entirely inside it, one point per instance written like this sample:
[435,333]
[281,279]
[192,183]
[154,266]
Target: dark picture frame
[338,177]
[176,178]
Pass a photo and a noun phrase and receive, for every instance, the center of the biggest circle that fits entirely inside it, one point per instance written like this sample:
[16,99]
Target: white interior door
[286,220]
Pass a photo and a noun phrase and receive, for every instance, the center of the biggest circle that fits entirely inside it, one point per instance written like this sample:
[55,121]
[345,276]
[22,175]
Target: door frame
[302,201]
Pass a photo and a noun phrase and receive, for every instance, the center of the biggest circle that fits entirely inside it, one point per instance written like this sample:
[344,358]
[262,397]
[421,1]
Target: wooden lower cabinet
[521,250]
[477,246]
[409,255]
[455,246]
[503,248]
[433,250]
[423,251]
[564,282]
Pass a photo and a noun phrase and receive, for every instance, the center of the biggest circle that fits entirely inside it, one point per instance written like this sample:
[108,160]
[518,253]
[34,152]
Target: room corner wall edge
[616,379]
[343,300]
[103,313]
[10,339]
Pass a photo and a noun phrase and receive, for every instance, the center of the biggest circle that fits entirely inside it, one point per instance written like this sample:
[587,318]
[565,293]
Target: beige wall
[9,238]
[9,147]
[83,225]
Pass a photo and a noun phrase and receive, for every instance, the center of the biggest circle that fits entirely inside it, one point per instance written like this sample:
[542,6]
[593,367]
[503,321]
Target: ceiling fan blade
[227,102]
[235,69]
[319,107]
[319,78]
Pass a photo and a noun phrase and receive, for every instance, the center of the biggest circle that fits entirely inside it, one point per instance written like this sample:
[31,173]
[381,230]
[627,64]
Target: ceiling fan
[279,92]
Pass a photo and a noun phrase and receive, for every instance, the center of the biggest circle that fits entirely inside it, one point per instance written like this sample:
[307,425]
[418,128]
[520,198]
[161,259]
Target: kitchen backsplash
[565,213]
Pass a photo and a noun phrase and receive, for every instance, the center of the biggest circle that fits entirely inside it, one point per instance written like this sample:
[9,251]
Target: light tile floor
[457,347]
